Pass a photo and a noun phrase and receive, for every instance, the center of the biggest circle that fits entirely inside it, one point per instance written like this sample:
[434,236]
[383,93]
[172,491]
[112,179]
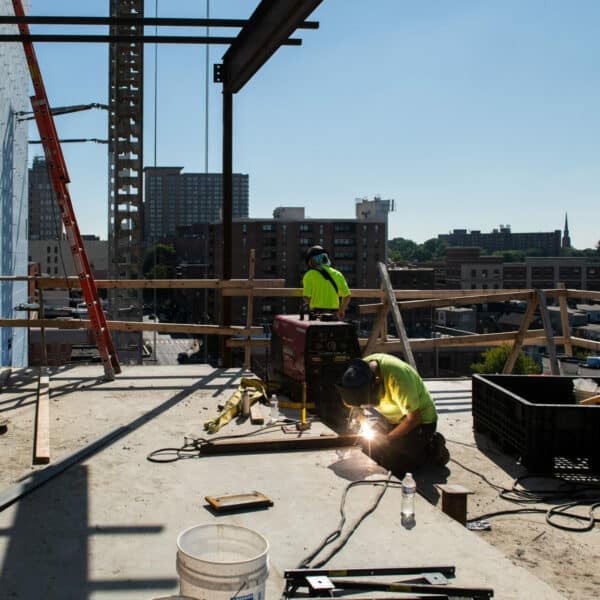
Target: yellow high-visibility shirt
[403,390]
[321,292]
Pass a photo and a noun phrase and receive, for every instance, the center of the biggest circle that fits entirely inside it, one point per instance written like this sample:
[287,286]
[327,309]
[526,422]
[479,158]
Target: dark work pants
[408,453]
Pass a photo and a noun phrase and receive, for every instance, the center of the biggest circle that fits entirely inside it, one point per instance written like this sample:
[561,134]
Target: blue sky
[468,113]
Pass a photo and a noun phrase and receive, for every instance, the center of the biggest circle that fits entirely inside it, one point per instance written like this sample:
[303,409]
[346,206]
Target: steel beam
[269,26]
[227,216]
[145,21]
[321,442]
[138,39]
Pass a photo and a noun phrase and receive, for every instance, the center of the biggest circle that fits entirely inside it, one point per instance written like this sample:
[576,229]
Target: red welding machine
[315,352]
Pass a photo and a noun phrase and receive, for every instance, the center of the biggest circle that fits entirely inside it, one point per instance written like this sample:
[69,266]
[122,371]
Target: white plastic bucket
[222,562]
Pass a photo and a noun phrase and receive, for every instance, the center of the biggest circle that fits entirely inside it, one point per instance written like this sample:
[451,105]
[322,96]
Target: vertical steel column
[227,215]
[125,164]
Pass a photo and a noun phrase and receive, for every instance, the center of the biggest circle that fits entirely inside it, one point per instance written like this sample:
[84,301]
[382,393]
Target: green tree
[509,256]
[433,249]
[494,360]
[164,265]
[401,250]
[159,263]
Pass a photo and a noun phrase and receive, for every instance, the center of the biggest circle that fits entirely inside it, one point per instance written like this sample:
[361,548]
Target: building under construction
[126,487]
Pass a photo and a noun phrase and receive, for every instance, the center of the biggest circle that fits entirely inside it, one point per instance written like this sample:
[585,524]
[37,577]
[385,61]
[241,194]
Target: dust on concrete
[565,560]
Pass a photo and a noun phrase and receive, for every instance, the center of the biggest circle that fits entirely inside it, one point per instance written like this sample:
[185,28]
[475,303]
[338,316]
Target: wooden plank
[264,291]
[477,340]
[584,343]
[549,333]
[564,320]
[396,316]
[451,301]
[133,326]
[73,282]
[41,446]
[518,342]
[234,502]
[583,294]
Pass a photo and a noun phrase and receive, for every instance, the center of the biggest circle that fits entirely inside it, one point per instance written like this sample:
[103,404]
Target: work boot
[438,453]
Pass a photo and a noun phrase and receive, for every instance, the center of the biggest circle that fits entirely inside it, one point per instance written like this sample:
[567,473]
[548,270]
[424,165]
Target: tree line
[404,250]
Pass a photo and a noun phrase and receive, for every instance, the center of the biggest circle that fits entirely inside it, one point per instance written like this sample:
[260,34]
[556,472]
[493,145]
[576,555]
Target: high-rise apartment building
[354,245]
[174,199]
[44,214]
[14,82]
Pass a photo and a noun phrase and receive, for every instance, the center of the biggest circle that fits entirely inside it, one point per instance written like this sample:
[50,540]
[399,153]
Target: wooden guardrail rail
[386,299]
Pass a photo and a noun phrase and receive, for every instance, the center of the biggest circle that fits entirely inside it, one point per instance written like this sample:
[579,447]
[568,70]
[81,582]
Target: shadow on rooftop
[48,548]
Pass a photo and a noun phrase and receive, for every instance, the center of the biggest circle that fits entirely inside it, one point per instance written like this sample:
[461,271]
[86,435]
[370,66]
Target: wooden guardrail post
[249,309]
[564,319]
[549,333]
[520,337]
[377,331]
[396,316]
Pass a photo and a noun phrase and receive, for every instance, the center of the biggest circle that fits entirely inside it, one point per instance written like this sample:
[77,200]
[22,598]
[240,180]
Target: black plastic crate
[537,418]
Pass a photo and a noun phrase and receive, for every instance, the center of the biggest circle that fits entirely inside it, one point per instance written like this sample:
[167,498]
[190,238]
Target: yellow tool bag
[260,391]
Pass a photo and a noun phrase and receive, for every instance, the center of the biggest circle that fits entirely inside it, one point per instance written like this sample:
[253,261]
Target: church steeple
[566,239]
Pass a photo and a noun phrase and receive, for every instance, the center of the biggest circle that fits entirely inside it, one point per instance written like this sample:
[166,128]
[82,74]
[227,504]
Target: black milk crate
[537,418]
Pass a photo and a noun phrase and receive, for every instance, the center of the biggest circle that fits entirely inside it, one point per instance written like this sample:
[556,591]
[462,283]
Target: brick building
[355,246]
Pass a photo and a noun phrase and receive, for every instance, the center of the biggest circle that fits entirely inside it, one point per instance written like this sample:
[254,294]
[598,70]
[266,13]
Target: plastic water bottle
[409,489]
[274,408]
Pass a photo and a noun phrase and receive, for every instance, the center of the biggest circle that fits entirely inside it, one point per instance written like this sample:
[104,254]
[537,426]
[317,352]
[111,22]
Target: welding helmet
[318,254]
[357,384]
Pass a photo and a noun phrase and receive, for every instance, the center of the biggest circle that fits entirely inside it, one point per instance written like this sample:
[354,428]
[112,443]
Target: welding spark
[366,431]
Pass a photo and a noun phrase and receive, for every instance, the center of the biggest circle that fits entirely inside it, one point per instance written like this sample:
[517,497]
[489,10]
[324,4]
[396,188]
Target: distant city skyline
[467,114]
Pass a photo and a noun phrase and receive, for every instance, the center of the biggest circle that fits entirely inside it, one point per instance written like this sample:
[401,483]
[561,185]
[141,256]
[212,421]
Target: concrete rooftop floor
[105,528]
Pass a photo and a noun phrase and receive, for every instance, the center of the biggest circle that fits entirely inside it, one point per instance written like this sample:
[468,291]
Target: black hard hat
[314,251]
[355,385]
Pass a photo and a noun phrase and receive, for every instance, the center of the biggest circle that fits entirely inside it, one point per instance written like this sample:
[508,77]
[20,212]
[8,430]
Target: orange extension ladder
[59,177]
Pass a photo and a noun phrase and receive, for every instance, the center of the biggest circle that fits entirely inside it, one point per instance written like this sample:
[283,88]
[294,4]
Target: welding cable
[480,475]
[572,494]
[334,535]
[192,446]
[562,512]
